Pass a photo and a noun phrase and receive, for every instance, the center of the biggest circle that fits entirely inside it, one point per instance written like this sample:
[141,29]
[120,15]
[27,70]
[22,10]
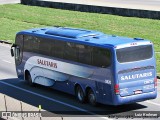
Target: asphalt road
[133,4]
[56,101]
[141,2]
[9,1]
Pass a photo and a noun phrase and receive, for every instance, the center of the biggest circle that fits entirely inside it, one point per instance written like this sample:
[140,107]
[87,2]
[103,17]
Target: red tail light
[116,89]
[155,82]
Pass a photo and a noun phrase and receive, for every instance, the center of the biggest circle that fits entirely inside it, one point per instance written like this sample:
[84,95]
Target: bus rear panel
[135,76]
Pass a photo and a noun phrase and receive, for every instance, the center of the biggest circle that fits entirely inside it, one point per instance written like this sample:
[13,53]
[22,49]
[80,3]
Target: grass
[158,63]
[14,18]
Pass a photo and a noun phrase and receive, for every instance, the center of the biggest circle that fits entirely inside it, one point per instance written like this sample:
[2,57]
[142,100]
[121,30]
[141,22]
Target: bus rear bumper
[118,100]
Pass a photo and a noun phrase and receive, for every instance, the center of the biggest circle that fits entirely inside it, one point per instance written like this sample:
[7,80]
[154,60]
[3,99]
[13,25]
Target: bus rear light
[116,86]
[155,82]
[116,89]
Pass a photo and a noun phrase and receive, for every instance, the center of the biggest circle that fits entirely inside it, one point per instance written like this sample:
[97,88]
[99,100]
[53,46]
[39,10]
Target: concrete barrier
[95,9]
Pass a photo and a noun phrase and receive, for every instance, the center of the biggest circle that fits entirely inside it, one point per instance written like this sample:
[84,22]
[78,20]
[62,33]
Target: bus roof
[83,36]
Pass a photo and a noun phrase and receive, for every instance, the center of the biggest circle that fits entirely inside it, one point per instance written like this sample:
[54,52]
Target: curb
[6,42]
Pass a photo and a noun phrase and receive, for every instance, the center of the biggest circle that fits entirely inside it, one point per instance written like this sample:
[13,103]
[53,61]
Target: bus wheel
[80,94]
[92,98]
[29,80]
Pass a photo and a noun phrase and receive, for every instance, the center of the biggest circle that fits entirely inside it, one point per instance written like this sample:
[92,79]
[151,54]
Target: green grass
[14,18]
[158,63]
[8,28]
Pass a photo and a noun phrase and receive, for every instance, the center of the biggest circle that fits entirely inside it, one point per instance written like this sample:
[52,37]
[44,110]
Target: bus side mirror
[12,52]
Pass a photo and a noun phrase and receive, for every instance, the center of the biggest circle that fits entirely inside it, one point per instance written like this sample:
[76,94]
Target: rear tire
[80,94]
[92,98]
[29,79]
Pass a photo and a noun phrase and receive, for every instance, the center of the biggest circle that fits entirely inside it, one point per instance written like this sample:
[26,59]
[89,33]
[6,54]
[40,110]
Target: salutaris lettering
[47,63]
[136,76]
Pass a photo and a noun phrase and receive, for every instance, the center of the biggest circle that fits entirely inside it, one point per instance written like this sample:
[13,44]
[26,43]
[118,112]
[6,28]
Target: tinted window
[58,49]
[101,57]
[136,53]
[28,43]
[31,44]
[70,52]
[45,46]
[35,44]
[84,54]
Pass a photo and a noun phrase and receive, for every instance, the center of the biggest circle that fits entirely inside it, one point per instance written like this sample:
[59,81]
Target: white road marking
[7,61]
[157,104]
[57,101]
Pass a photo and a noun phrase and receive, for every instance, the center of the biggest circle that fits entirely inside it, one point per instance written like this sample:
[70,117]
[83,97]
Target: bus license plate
[138,92]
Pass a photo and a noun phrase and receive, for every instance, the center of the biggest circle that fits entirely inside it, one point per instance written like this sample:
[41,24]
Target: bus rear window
[136,53]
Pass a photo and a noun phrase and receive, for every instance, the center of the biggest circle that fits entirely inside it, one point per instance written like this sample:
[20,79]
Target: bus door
[135,70]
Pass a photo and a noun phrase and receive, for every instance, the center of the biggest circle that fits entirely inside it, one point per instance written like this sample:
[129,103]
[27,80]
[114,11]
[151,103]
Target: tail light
[116,89]
[155,82]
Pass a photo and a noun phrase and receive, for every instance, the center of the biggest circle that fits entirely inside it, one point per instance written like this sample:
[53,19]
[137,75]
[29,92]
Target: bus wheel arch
[28,78]
[91,96]
[80,94]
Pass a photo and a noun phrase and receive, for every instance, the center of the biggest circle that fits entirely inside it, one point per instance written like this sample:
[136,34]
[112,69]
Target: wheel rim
[80,94]
[92,98]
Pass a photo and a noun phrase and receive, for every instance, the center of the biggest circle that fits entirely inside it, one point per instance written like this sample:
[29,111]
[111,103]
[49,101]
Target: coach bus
[93,66]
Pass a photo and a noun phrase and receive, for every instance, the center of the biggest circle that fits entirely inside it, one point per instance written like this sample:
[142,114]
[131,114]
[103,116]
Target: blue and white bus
[94,66]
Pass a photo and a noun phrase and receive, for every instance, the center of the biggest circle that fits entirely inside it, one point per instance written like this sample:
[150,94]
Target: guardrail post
[21,109]
[5,102]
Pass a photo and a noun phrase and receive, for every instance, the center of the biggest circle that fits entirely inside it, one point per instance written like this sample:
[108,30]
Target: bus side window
[52,50]
[70,52]
[84,54]
[45,46]
[101,57]
[36,44]
[28,43]
[58,49]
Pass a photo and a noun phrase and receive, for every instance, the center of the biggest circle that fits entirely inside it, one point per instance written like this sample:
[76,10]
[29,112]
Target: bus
[93,66]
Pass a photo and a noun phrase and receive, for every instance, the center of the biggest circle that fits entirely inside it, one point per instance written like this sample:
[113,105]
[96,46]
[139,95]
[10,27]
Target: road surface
[9,1]
[56,101]
[133,4]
